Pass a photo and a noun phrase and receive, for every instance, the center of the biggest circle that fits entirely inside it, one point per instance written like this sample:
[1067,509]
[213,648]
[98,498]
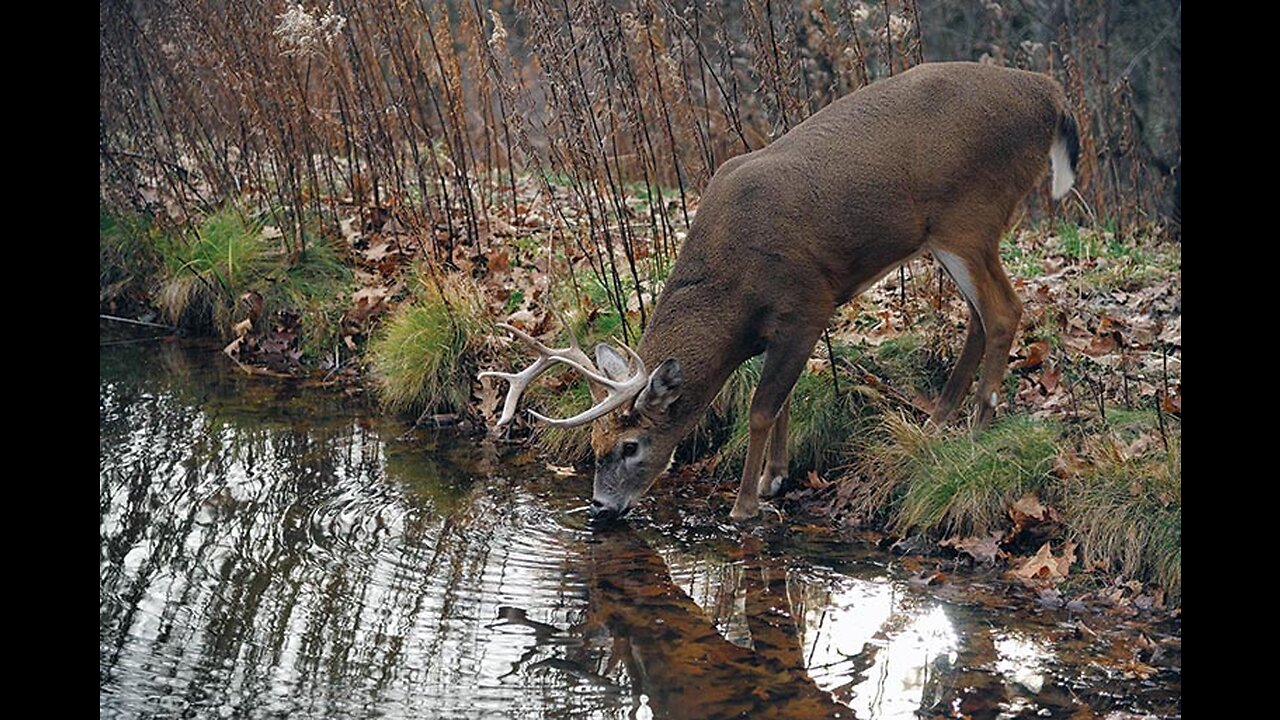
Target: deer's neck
[693,323]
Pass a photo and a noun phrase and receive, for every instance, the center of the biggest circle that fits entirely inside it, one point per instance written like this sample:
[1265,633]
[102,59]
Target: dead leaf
[925,579]
[1029,506]
[982,549]
[242,328]
[1049,379]
[816,481]
[1172,332]
[1100,345]
[380,251]
[561,470]
[1036,353]
[525,320]
[1067,464]
[1029,511]
[347,226]
[252,302]
[499,262]
[1043,568]
[488,397]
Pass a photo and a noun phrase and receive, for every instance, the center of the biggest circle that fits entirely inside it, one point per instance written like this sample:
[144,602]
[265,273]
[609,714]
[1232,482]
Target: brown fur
[937,157]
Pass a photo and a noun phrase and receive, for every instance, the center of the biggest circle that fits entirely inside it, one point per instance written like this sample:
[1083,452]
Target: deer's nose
[600,512]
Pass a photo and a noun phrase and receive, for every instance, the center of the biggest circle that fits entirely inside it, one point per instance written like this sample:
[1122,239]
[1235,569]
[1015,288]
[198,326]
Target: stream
[270,549]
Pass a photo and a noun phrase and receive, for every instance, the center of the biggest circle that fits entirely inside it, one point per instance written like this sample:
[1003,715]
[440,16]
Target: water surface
[270,550]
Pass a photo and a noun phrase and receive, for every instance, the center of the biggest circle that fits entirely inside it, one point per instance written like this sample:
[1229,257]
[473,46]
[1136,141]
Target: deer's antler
[616,392]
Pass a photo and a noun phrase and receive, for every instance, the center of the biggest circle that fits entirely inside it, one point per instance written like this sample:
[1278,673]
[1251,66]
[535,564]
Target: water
[273,550]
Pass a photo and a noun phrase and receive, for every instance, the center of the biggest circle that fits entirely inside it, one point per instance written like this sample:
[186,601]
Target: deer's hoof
[771,486]
[741,512]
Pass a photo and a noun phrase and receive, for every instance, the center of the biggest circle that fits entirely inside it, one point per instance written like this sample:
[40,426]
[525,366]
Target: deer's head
[632,437]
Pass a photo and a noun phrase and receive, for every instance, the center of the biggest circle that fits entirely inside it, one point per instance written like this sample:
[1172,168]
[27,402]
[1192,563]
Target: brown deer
[937,159]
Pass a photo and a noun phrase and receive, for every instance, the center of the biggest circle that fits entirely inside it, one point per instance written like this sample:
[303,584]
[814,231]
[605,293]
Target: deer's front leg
[783,362]
[775,470]
[748,503]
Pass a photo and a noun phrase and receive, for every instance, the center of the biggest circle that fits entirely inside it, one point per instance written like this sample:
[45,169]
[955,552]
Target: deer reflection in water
[639,621]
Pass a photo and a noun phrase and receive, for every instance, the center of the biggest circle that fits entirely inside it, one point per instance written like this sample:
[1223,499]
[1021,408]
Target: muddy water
[269,550]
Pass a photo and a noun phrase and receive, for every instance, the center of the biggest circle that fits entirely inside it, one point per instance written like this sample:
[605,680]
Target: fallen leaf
[252,301]
[1049,379]
[817,482]
[1029,511]
[925,579]
[1036,353]
[1067,464]
[1045,569]
[983,549]
[379,252]
[561,470]
[1029,506]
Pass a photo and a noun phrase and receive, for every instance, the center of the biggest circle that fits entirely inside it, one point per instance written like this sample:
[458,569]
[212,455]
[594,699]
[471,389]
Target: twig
[831,356]
[131,321]
[1164,434]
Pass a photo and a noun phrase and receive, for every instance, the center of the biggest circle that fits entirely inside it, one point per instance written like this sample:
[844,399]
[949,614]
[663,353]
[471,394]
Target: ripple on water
[259,564]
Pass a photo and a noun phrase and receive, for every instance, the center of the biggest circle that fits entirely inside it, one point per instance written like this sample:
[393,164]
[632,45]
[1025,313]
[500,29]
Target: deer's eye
[630,448]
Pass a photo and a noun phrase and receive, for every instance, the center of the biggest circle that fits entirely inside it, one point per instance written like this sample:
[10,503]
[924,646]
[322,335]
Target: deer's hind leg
[995,312]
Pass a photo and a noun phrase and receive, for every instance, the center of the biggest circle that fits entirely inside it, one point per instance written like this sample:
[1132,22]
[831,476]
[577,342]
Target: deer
[936,159]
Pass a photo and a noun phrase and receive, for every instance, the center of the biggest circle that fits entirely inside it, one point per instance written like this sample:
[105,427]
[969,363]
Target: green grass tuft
[952,484]
[126,252]
[1125,505]
[423,354]
[317,288]
[200,279]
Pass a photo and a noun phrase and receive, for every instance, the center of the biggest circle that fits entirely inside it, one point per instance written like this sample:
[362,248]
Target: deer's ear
[663,389]
[611,363]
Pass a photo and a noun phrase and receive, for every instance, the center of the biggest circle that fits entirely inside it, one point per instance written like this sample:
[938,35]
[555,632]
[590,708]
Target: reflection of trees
[290,561]
[265,562]
[672,651]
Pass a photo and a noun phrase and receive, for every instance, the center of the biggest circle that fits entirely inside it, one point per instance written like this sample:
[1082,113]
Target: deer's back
[859,185]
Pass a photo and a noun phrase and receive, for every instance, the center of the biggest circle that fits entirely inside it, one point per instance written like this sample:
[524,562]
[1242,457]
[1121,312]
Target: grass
[1024,260]
[126,252]
[197,282]
[566,445]
[951,484]
[1125,504]
[201,278]
[1121,501]
[423,356]
[317,287]
[822,420]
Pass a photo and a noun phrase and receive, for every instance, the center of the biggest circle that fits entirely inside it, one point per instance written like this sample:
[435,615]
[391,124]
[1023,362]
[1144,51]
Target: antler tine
[640,369]
[528,339]
[617,392]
